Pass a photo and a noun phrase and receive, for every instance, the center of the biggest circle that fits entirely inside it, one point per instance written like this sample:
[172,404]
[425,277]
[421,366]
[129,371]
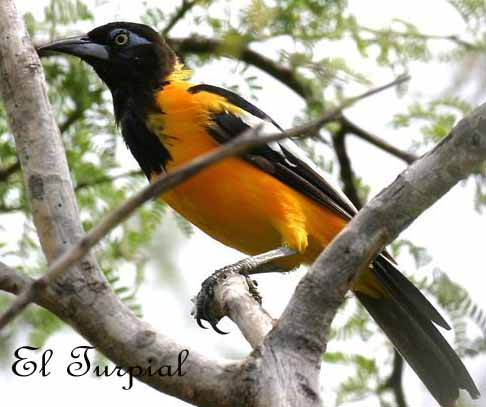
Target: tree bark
[83,298]
[284,369]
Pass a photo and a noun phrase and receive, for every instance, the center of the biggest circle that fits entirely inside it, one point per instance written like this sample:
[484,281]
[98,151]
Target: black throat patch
[145,146]
[131,113]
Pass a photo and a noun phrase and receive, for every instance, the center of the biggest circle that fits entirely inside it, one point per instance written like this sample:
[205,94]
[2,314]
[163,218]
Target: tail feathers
[407,317]
[401,289]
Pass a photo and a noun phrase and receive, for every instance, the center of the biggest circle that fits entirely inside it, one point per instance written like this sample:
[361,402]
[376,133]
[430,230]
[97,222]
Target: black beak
[81,47]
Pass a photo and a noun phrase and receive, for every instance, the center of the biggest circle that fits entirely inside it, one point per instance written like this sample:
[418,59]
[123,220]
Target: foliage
[307,27]
[101,181]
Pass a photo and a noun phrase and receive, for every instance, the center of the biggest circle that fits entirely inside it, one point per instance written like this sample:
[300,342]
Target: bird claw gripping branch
[206,309]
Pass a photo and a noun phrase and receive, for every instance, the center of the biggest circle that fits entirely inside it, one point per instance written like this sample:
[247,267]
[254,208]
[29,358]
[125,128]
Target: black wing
[278,159]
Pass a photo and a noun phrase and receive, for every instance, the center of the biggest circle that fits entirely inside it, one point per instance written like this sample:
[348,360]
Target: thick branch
[249,139]
[82,297]
[321,291]
[234,300]
[12,281]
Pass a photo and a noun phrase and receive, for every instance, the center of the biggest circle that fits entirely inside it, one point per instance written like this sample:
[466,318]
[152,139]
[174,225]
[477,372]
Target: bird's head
[123,54]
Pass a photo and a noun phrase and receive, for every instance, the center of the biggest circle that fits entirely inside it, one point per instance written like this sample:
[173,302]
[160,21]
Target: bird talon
[201,325]
[204,309]
[216,329]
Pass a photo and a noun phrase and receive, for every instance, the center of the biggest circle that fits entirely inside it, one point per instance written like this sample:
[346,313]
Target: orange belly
[233,201]
[253,212]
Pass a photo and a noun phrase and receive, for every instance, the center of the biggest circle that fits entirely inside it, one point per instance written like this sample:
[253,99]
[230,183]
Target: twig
[376,141]
[249,139]
[13,281]
[104,180]
[201,45]
[394,381]
[346,170]
[417,35]
[6,172]
[72,118]
[178,15]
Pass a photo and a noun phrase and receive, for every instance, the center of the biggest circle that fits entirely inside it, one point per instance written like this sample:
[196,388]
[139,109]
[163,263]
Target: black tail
[407,318]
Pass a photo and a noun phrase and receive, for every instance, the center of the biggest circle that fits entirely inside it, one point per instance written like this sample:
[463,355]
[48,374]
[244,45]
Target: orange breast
[233,201]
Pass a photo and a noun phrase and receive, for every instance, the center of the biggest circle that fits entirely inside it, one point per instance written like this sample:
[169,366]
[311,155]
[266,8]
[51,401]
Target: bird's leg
[258,264]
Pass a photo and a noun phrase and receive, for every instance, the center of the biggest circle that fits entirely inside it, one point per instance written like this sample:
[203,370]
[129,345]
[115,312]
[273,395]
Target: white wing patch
[267,128]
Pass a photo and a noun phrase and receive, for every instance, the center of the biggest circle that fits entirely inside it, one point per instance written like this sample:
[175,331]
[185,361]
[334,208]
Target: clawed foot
[206,308]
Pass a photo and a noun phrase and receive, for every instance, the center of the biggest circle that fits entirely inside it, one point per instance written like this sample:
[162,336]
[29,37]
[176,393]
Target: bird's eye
[121,39]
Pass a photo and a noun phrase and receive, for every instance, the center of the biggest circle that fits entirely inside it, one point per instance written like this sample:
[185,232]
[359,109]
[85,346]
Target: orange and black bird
[271,197]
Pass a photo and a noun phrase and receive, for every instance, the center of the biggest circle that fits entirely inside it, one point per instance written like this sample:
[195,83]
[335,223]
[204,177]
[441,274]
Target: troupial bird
[271,197]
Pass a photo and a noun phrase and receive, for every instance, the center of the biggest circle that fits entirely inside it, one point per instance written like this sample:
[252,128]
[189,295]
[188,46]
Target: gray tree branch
[303,327]
[82,296]
[284,370]
[249,139]
[197,44]
[13,281]
[234,300]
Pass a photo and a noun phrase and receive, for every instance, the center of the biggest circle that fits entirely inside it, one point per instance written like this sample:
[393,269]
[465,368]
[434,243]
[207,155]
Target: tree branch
[82,297]
[184,8]
[12,281]
[417,35]
[352,128]
[6,172]
[307,318]
[247,140]
[202,45]
[107,179]
[395,382]
[346,171]
[233,299]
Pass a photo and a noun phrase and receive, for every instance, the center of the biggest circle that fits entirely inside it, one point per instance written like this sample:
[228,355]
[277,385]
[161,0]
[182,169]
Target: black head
[128,57]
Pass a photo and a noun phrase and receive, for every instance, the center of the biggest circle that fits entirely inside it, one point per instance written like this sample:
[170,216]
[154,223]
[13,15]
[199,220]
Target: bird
[270,197]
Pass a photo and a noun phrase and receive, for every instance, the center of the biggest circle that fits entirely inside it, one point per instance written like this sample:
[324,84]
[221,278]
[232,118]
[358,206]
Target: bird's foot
[206,308]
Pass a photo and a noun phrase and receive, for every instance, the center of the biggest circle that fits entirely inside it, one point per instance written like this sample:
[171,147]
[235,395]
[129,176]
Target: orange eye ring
[121,39]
